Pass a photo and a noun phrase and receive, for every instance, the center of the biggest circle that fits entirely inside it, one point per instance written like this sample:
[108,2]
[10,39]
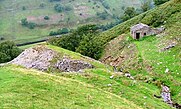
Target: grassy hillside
[22,88]
[145,58]
[28,88]
[83,12]
[166,15]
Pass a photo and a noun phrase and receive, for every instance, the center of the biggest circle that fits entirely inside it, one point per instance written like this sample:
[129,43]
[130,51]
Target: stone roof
[139,26]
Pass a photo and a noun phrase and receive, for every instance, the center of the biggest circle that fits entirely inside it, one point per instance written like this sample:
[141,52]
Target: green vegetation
[159,2]
[69,18]
[22,88]
[129,13]
[46,18]
[59,32]
[93,88]
[146,5]
[144,58]
[25,23]
[8,51]
[58,8]
[153,18]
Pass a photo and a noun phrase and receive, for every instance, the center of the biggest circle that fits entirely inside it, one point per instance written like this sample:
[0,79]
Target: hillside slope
[150,59]
[99,87]
[78,12]
[22,88]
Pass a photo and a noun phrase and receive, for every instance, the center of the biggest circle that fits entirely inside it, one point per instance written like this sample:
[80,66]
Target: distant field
[11,12]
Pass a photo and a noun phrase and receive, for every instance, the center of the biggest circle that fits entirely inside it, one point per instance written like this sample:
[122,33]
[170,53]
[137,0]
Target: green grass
[22,88]
[26,88]
[11,29]
[151,54]
[143,58]
[168,13]
[63,52]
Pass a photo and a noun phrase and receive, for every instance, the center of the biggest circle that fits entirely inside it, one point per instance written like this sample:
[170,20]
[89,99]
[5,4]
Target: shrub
[23,8]
[58,8]
[25,23]
[8,51]
[46,18]
[159,2]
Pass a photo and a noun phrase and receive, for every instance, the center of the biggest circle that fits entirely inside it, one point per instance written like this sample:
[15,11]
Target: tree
[129,13]
[90,47]
[25,23]
[159,2]
[146,5]
[72,41]
[58,8]
[8,51]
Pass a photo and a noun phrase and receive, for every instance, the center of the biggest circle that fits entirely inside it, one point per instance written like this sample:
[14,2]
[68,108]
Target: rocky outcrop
[166,95]
[38,58]
[68,65]
[43,58]
[171,45]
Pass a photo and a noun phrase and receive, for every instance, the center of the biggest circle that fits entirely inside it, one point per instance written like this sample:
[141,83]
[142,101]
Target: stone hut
[140,30]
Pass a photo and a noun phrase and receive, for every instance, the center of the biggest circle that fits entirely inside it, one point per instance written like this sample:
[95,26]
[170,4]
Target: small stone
[128,75]
[109,85]
[167,70]
[111,77]
[132,78]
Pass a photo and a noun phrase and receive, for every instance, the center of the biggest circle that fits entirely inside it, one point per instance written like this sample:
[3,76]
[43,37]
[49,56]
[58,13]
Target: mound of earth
[43,58]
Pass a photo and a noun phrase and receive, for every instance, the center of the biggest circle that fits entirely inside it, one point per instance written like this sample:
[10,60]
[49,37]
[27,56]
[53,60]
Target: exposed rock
[68,65]
[166,95]
[42,58]
[171,45]
[109,85]
[167,70]
[38,58]
[111,77]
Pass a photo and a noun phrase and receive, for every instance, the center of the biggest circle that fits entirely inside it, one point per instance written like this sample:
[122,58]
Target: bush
[25,23]
[8,51]
[59,32]
[46,18]
[159,2]
[64,31]
[58,8]
[23,8]
[31,25]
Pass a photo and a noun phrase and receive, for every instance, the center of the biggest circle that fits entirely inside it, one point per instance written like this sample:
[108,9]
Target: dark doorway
[137,35]
[144,34]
